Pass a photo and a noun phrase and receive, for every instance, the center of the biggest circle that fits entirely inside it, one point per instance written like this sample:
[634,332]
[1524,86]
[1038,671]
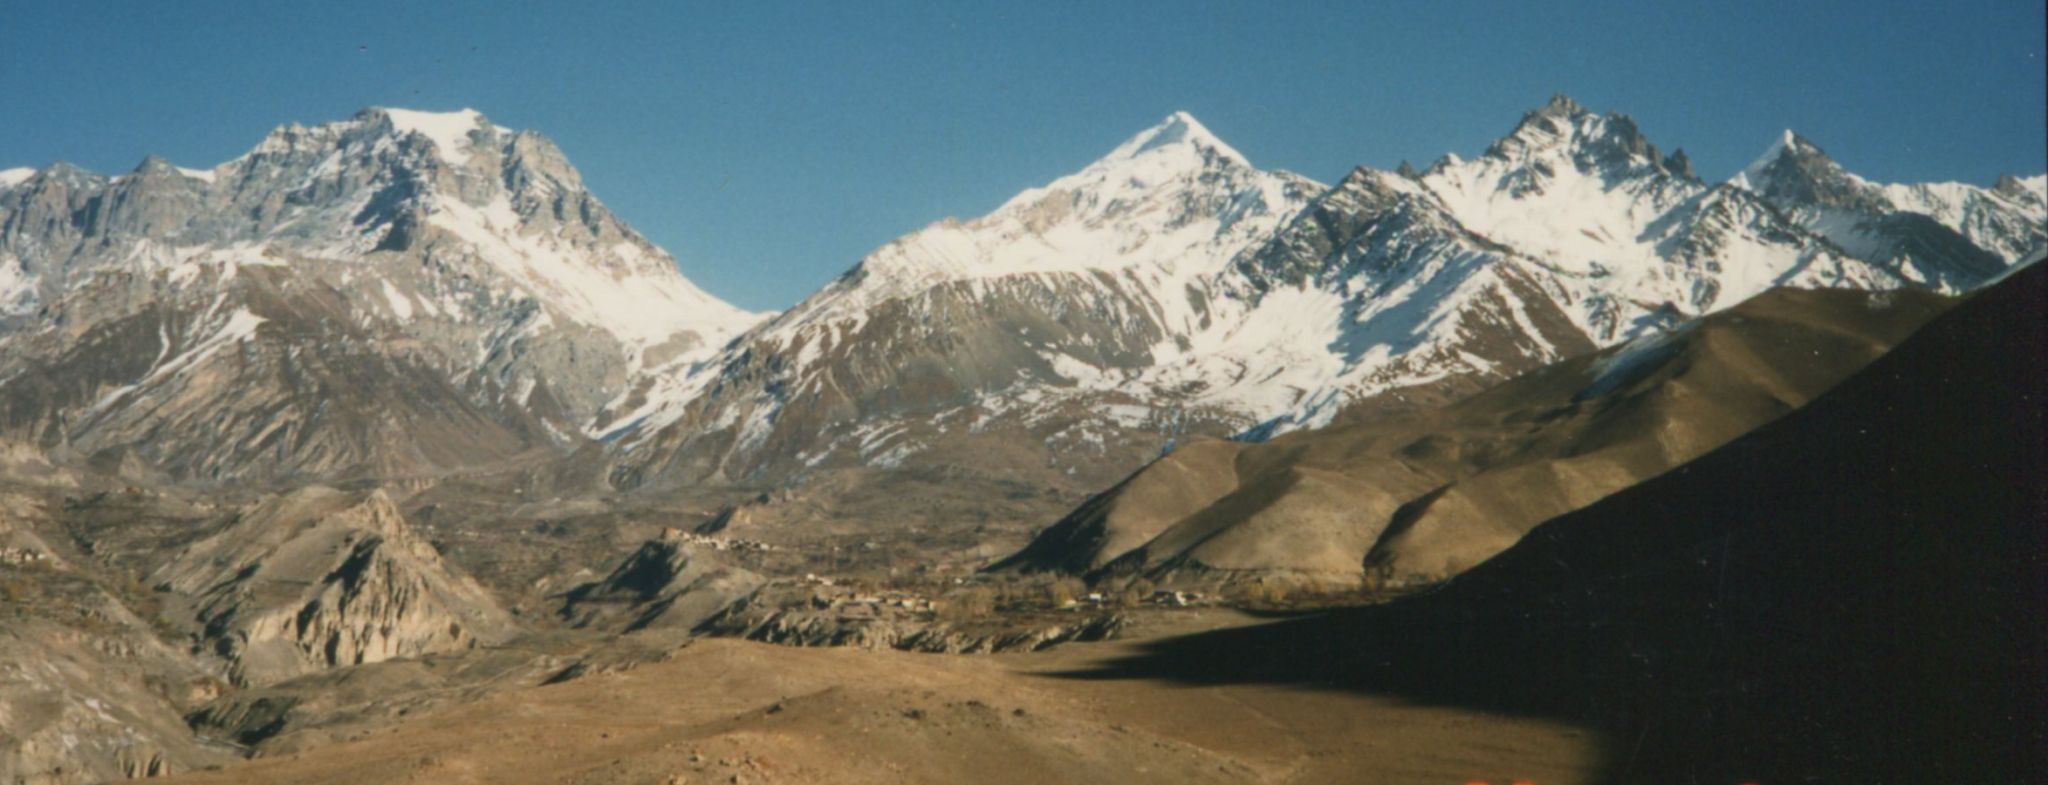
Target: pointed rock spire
[1563,105]
[1553,116]
[1680,164]
[1543,127]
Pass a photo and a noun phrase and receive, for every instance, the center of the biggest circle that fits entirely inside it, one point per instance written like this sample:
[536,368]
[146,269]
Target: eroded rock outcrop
[321,578]
[792,616]
[667,583]
[811,628]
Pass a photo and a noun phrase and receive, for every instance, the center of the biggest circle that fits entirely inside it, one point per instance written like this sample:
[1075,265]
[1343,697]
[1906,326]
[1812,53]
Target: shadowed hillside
[1418,498]
[1849,594]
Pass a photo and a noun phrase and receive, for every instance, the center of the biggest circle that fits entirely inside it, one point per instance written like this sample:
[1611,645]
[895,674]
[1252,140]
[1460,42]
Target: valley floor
[731,711]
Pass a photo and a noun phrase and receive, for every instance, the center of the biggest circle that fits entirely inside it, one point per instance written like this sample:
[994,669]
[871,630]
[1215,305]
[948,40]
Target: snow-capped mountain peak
[1564,133]
[1179,132]
[1950,235]
[445,183]
[449,131]
[1548,127]
[1172,198]
[1178,148]
[1752,175]
[1567,184]
[1795,170]
[1128,245]
[476,240]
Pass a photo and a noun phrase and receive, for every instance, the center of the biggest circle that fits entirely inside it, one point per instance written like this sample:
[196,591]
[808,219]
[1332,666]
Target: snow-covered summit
[1585,191]
[478,240]
[1179,130]
[1889,221]
[449,131]
[1752,176]
[1794,170]
[1128,245]
[1171,202]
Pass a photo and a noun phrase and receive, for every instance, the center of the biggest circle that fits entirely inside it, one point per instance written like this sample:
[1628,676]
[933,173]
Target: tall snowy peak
[1145,226]
[1564,131]
[1640,240]
[385,180]
[1569,184]
[1173,200]
[1794,170]
[469,257]
[1067,290]
[1951,236]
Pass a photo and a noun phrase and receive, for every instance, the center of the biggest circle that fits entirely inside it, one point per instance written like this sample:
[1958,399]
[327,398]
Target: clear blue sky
[771,146]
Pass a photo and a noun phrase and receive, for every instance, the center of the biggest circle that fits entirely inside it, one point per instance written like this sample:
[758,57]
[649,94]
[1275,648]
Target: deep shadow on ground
[1853,593]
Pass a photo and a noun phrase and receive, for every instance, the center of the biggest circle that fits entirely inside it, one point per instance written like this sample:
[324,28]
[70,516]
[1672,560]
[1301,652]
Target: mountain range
[407,294]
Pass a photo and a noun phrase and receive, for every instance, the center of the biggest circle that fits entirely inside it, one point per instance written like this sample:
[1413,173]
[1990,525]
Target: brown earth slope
[88,692]
[1849,594]
[1418,498]
[277,382]
[727,711]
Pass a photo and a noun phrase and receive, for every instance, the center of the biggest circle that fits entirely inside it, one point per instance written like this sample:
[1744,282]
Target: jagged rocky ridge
[1947,235]
[400,293]
[1171,288]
